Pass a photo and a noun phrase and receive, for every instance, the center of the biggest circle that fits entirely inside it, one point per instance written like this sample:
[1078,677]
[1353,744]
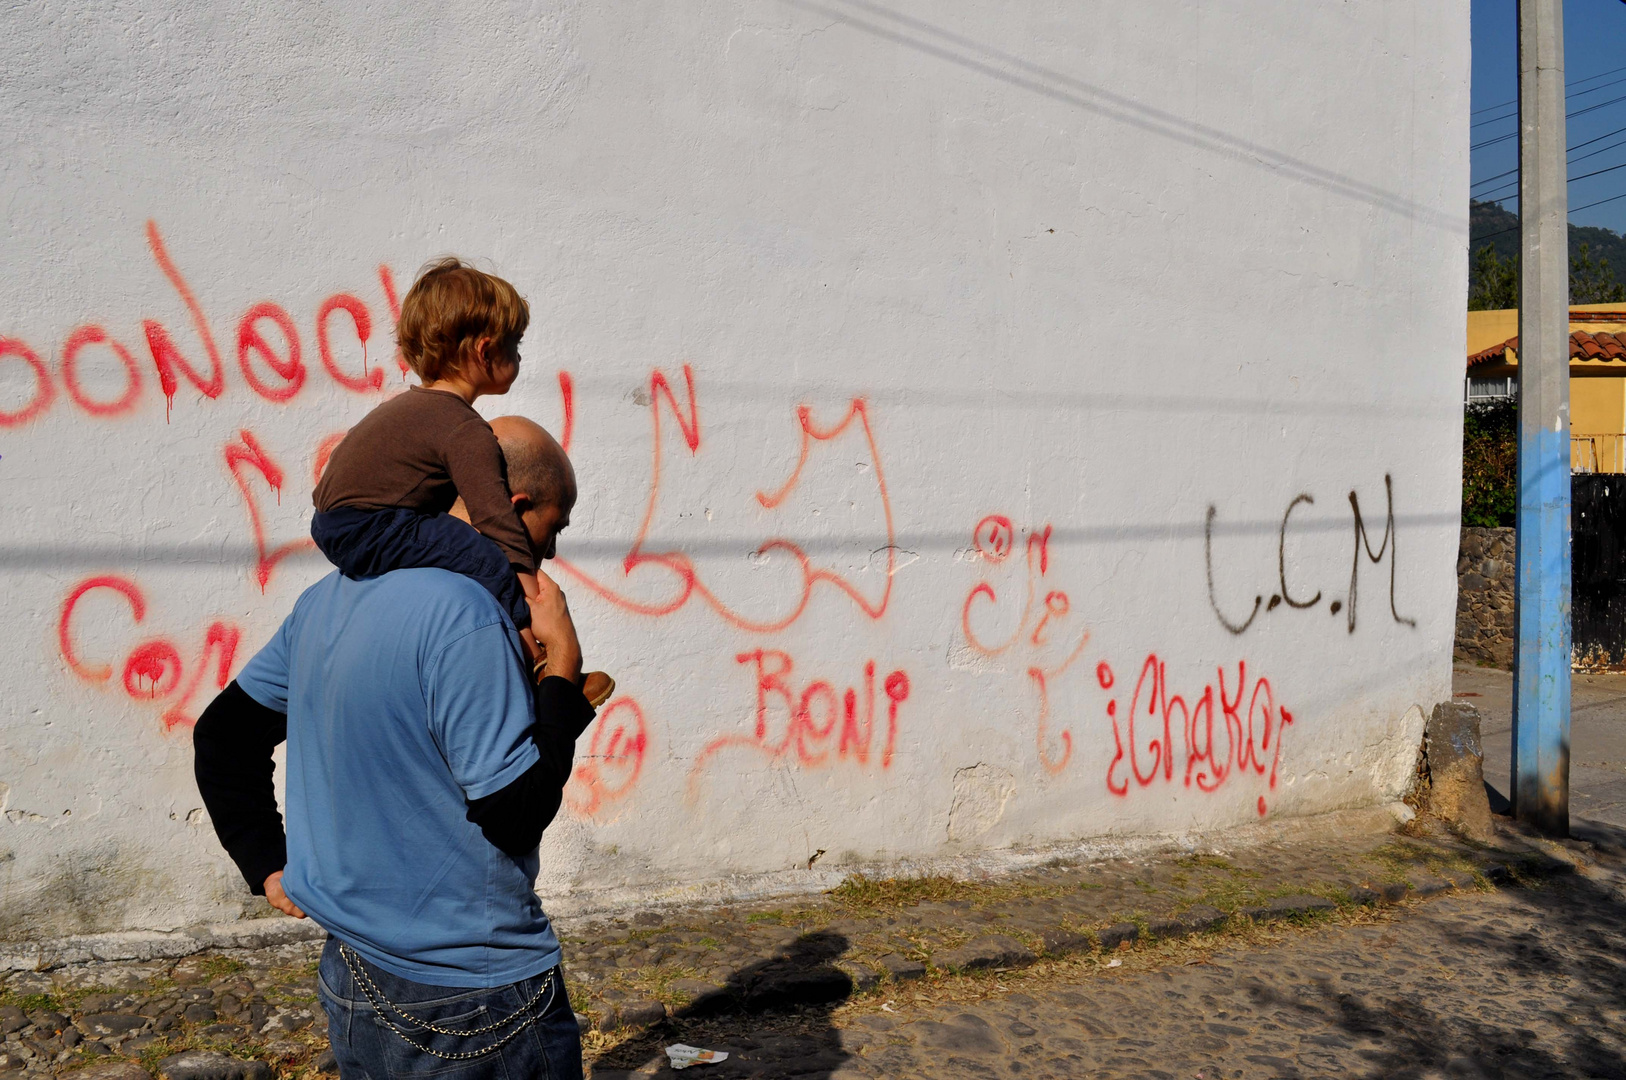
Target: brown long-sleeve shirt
[420,450]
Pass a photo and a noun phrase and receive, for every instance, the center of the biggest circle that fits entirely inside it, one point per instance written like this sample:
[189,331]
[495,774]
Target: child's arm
[475,464]
[535,654]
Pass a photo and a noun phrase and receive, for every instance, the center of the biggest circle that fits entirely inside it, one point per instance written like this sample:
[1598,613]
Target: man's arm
[513,819]
[232,744]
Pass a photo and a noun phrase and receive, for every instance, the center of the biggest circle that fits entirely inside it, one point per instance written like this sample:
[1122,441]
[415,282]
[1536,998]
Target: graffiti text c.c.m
[1283,595]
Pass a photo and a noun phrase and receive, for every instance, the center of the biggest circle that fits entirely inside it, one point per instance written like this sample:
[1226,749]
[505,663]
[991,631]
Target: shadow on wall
[803,977]
[975,56]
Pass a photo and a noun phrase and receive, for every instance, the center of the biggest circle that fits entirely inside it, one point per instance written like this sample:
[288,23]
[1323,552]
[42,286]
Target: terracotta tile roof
[1609,346]
[1604,345]
[1495,352]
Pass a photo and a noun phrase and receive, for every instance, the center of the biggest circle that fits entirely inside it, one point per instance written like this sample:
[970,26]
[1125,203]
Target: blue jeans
[367,543]
[368,1048]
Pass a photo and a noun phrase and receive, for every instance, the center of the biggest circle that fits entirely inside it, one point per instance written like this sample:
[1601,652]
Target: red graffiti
[273,370]
[95,335]
[362,319]
[153,670]
[43,390]
[248,453]
[324,451]
[993,537]
[820,722]
[1251,738]
[386,281]
[291,369]
[993,540]
[1050,763]
[567,400]
[164,353]
[169,360]
[614,758]
[220,641]
[155,664]
[686,582]
[64,630]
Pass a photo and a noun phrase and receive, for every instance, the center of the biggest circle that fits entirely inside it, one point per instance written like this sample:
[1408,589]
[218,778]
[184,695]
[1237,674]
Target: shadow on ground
[1570,973]
[799,985]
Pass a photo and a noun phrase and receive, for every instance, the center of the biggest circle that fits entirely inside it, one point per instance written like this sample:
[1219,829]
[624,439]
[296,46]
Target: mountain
[1489,224]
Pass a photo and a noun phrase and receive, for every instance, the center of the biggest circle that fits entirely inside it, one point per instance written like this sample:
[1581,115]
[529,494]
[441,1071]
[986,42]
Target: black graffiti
[1281,555]
[1391,542]
[1208,558]
[1362,540]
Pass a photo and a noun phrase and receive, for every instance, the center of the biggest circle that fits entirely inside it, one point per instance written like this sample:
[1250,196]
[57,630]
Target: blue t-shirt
[406,697]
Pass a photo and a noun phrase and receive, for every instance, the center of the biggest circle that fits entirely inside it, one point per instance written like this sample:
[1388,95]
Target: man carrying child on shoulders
[429,741]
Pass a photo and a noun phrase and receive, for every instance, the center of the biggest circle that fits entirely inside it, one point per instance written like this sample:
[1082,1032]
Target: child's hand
[554,629]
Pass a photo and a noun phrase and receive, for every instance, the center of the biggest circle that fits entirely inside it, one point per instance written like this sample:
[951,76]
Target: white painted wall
[1097,268]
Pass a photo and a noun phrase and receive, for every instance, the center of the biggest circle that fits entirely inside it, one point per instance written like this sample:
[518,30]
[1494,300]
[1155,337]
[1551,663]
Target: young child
[383,498]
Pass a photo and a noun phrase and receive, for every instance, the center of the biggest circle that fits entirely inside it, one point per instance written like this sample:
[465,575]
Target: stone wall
[1485,578]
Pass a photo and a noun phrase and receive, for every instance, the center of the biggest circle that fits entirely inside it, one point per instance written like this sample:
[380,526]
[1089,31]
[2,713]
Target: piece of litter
[887,1007]
[683,1056]
[1115,962]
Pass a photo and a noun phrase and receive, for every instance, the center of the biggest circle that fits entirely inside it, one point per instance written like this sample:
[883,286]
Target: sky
[1595,74]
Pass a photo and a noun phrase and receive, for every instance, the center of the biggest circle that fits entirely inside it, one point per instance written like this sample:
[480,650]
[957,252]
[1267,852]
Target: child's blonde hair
[448,309]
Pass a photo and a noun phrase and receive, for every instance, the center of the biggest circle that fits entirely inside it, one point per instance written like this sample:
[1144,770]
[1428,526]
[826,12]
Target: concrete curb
[156,945]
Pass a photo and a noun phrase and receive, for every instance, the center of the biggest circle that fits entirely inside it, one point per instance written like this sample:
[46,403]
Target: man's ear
[521,501]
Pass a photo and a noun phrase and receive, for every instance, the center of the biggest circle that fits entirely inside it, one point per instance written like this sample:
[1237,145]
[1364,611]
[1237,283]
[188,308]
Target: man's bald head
[540,478]
[538,467]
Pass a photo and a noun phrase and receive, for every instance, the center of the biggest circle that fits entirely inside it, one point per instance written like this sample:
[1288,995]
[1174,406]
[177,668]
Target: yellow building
[1597,377]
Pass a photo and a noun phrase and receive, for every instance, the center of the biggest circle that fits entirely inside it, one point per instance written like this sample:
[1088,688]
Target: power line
[1487,198]
[1515,112]
[1605,135]
[1573,160]
[1600,137]
[1594,108]
[1594,153]
[1598,172]
[1573,210]
[1600,202]
[1577,82]
[1498,232]
[1488,179]
[1577,146]
[1494,119]
[1567,116]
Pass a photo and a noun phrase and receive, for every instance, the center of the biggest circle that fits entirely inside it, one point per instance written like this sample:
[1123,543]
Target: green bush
[1490,473]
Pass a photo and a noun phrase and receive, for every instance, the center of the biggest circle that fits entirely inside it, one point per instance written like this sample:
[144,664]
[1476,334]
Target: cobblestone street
[1357,954]
[1336,946]
[1513,983]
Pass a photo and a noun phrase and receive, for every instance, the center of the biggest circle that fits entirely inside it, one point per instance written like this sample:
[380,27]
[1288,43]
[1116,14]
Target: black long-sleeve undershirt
[231,758]
[234,738]
[514,818]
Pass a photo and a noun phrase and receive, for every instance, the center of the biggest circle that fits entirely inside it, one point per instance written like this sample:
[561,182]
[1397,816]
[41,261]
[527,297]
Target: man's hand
[279,899]
[552,625]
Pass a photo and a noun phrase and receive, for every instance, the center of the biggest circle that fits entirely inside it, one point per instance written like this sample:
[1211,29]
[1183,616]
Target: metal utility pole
[1541,667]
